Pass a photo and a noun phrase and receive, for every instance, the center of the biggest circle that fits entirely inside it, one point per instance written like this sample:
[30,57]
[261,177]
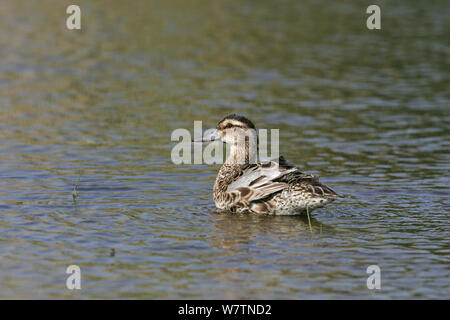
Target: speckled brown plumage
[272,187]
[289,193]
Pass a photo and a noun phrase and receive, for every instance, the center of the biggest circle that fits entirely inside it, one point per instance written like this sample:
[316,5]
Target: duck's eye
[229,125]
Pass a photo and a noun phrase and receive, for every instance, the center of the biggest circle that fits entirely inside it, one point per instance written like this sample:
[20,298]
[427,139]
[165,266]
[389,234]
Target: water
[366,110]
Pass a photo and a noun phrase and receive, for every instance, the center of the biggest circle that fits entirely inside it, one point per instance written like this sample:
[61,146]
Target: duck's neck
[238,158]
[241,155]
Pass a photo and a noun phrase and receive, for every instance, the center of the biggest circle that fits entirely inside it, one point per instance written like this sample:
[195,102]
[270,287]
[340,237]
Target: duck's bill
[209,135]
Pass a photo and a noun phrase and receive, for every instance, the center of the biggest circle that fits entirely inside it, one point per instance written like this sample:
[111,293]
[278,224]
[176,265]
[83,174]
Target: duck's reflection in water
[269,248]
[235,230]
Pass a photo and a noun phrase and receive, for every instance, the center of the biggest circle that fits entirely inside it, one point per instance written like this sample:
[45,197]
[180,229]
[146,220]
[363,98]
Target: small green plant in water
[74,192]
[309,220]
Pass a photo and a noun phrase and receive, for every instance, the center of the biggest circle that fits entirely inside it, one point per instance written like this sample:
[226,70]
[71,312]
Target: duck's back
[274,187]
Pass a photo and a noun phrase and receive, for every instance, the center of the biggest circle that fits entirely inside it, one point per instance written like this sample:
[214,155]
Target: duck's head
[231,129]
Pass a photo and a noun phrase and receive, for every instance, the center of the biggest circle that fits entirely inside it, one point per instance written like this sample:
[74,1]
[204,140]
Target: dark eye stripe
[230,125]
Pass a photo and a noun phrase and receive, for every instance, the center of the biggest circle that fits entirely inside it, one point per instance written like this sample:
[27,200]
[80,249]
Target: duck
[245,184]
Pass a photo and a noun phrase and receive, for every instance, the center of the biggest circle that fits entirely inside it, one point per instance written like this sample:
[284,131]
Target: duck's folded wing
[257,181]
[308,183]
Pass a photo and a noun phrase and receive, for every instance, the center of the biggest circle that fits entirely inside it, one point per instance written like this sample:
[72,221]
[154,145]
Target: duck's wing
[258,181]
[307,183]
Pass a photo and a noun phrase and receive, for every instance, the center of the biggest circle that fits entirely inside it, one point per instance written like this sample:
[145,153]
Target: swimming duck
[275,187]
